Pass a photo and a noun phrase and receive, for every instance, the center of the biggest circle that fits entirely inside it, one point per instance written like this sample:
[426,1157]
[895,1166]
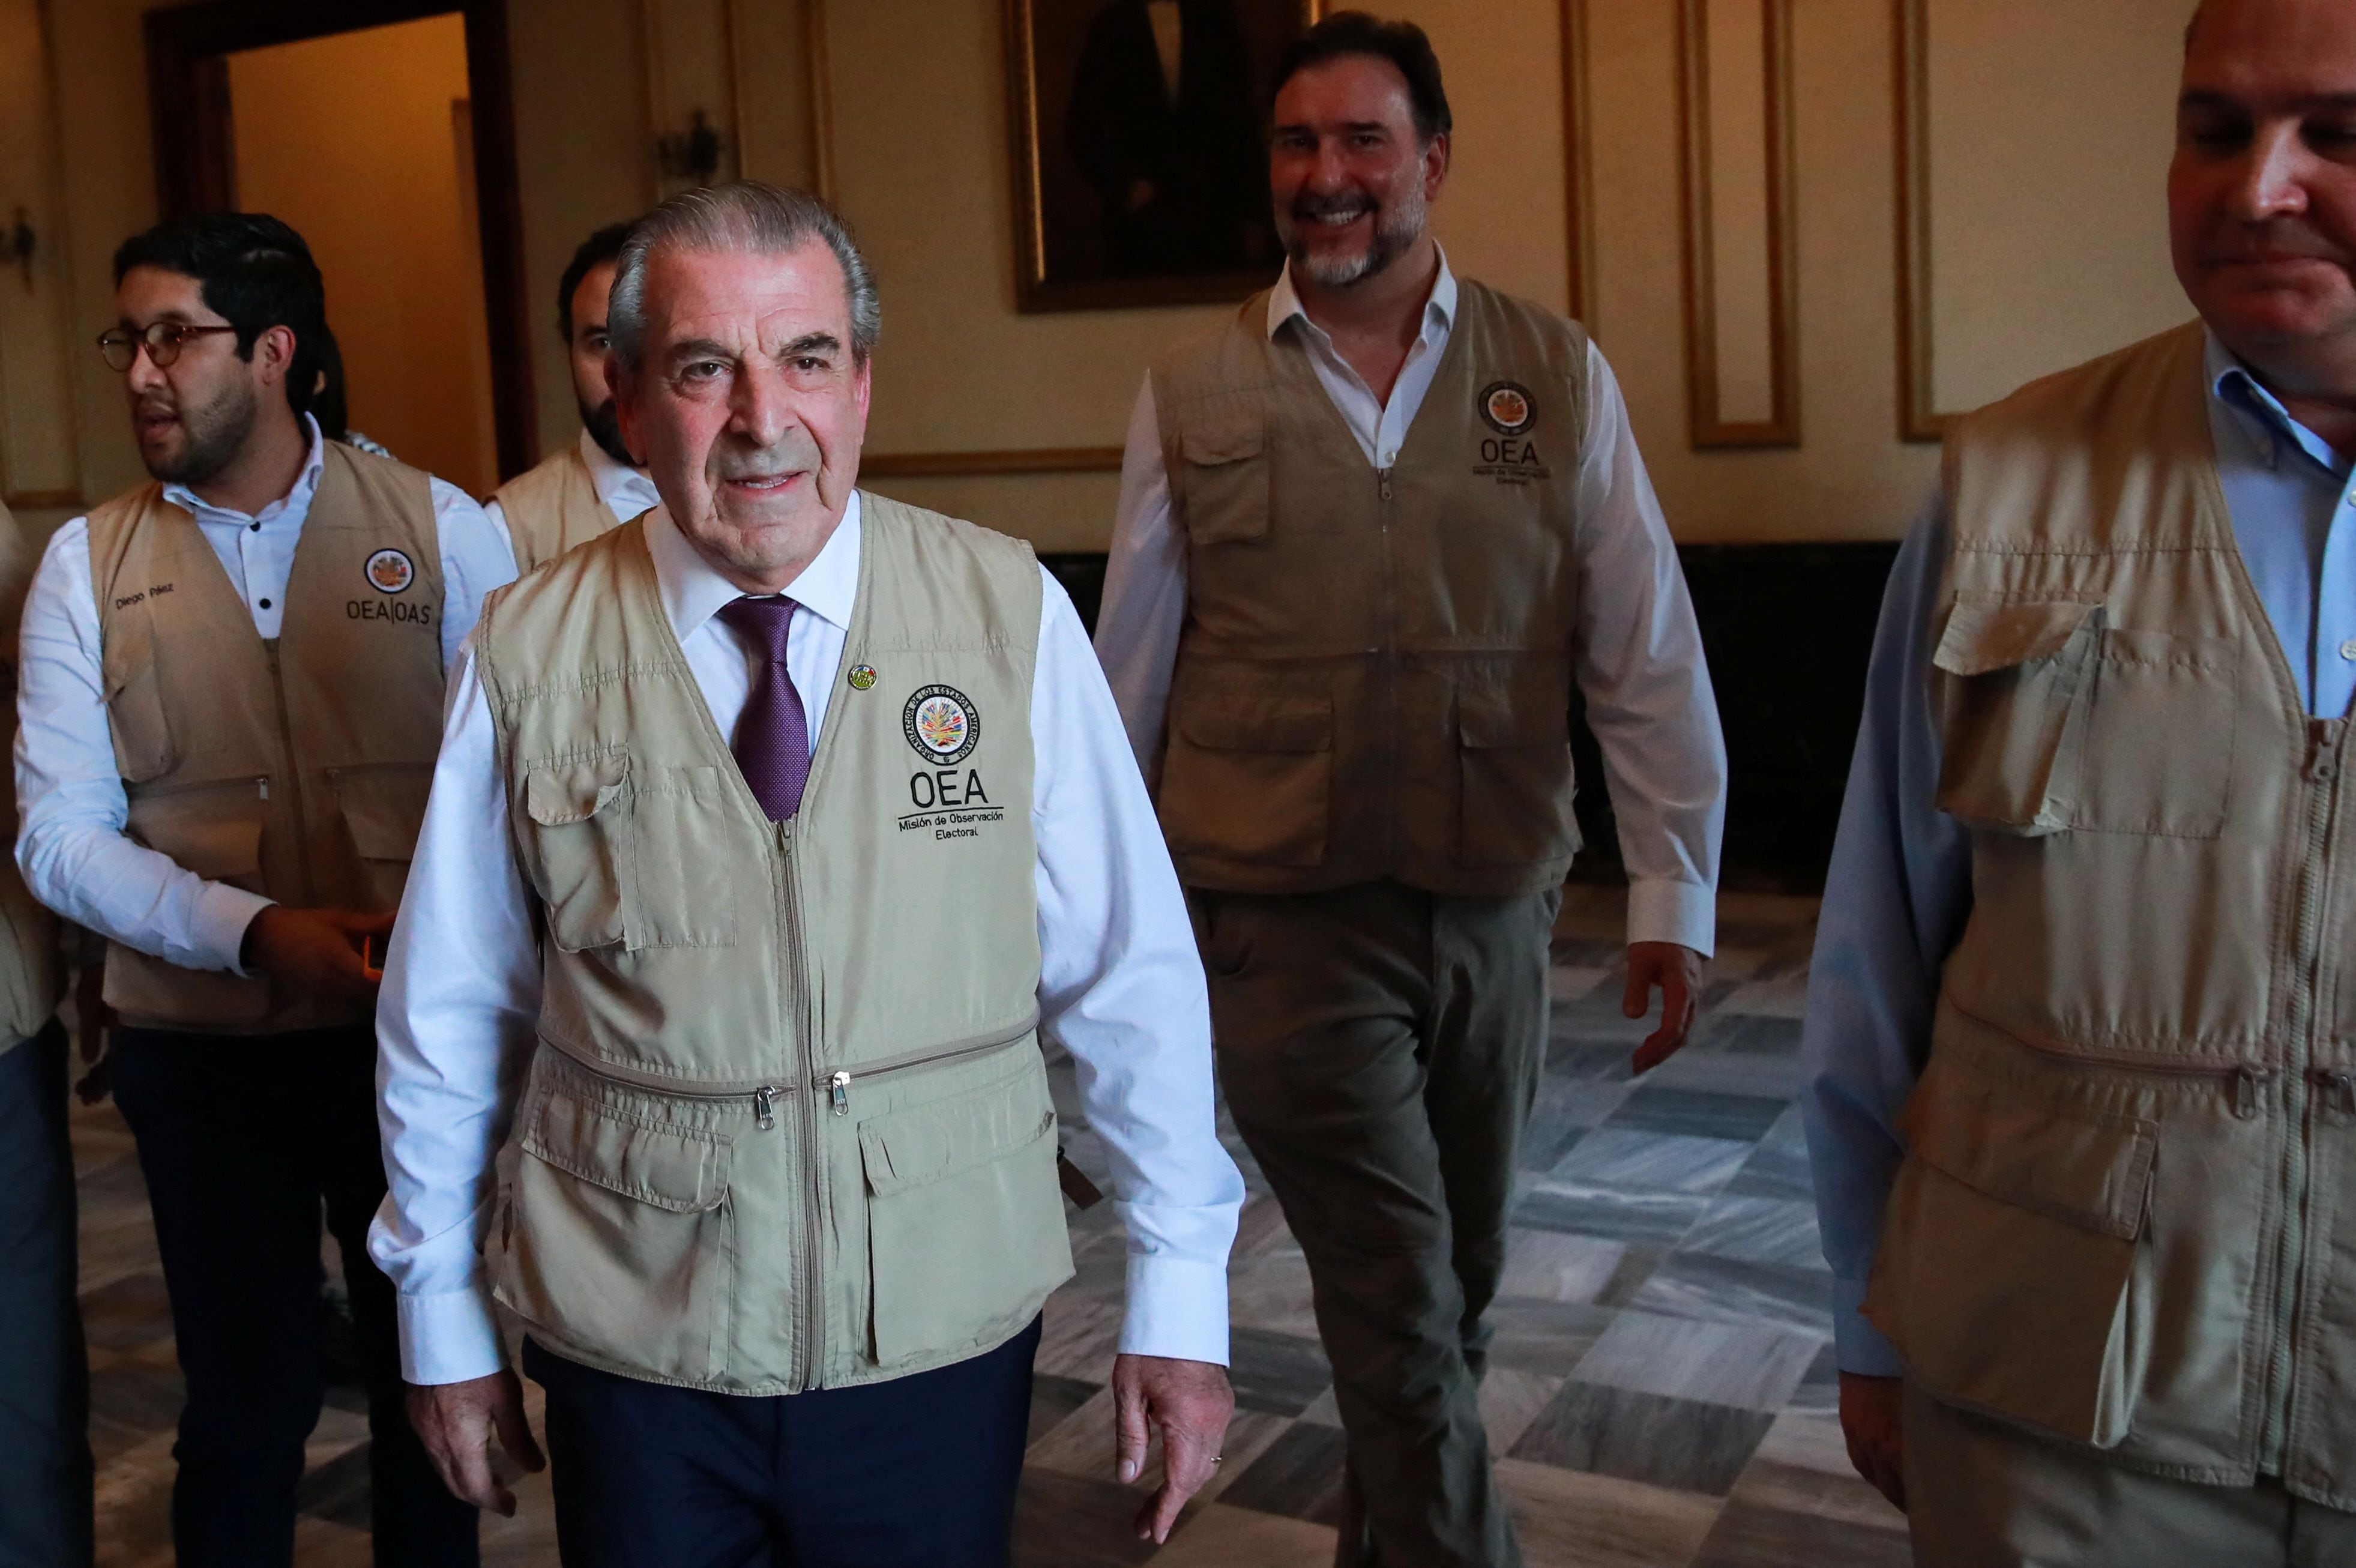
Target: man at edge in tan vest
[231,695]
[1371,534]
[578,493]
[771,833]
[2081,1032]
[45,1458]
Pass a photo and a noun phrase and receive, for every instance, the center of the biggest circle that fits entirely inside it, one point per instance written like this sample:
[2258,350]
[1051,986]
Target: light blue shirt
[1899,886]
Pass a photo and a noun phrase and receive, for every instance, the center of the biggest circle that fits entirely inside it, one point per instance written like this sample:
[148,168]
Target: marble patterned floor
[1662,1386]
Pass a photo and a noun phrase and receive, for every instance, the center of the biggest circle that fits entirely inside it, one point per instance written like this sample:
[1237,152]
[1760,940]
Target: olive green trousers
[1980,1494]
[1381,1049]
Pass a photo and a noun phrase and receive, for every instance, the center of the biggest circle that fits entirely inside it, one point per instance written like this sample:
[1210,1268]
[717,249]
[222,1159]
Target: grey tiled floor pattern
[1660,1393]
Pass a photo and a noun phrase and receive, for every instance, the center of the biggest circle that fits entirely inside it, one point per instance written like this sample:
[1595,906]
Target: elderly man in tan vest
[230,694]
[772,833]
[1372,533]
[594,484]
[2081,1036]
[44,1459]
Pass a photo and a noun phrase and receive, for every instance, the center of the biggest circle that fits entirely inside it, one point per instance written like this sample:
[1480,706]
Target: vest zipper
[2322,776]
[813,1171]
[2338,1089]
[286,750]
[763,1096]
[838,1083]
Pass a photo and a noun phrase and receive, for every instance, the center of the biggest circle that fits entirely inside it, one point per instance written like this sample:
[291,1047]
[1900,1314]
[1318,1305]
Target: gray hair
[745,216]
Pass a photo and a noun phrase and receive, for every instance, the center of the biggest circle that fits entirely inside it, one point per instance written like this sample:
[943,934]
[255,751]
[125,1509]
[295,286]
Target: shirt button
[254,526]
[2348,649]
[265,605]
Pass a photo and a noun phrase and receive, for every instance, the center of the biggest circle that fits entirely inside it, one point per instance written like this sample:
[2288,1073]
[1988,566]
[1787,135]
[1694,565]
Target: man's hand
[1677,971]
[315,952]
[456,1420]
[1870,1412]
[1189,1402]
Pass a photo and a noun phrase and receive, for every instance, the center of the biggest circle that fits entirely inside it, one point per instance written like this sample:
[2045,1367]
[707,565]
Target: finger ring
[1218,1458]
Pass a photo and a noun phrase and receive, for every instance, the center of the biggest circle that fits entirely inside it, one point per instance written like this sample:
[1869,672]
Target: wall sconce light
[16,245]
[693,154]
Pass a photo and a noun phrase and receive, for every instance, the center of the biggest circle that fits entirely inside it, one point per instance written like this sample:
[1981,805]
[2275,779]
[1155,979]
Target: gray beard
[1397,229]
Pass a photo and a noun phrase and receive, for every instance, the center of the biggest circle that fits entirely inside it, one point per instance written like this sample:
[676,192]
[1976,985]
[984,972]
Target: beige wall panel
[37,427]
[2051,128]
[1053,512]
[1743,290]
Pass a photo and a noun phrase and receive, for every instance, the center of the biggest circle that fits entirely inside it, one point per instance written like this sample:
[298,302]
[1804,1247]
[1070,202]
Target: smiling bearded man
[772,831]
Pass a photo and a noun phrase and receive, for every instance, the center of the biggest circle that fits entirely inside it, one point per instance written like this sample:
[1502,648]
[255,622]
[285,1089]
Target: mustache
[795,452]
[2278,239]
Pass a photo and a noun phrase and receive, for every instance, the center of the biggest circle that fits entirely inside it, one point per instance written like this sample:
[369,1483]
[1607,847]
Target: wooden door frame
[188,83]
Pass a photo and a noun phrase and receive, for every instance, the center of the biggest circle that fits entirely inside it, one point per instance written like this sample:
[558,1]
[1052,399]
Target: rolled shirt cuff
[1858,1346]
[1684,913]
[222,914]
[449,1337]
[1177,1308]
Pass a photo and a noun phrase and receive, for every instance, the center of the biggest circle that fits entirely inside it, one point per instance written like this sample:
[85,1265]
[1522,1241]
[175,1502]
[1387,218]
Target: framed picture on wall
[1141,151]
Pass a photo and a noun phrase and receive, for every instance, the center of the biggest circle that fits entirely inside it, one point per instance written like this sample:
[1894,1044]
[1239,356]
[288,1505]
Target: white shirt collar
[295,505]
[626,491]
[1284,303]
[694,591]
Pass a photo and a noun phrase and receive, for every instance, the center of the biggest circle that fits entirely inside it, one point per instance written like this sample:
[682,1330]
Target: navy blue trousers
[44,1473]
[919,1472]
[243,1138]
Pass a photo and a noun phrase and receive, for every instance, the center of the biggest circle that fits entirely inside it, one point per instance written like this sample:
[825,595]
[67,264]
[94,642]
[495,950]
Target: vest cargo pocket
[681,826]
[383,806]
[1514,764]
[2006,1274]
[2159,737]
[2013,721]
[213,827]
[144,747]
[1222,485]
[618,1238]
[577,848]
[1249,777]
[965,1220]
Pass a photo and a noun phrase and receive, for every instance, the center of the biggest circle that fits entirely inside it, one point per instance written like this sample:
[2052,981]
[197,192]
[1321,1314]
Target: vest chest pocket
[2055,721]
[143,747]
[1222,481]
[965,1220]
[616,1236]
[577,846]
[2006,1273]
[1249,776]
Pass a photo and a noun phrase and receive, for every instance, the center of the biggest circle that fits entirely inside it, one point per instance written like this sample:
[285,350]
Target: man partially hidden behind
[595,484]
[2082,1029]
[230,695]
[1371,534]
[770,832]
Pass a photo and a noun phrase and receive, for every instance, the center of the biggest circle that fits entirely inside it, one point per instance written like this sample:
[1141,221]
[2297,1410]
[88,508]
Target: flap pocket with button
[2008,1269]
[211,827]
[1513,767]
[1248,775]
[1222,484]
[617,1238]
[965,1230]
[576,845]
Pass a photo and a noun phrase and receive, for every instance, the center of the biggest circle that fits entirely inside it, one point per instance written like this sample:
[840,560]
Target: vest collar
[692,591]
[626,491]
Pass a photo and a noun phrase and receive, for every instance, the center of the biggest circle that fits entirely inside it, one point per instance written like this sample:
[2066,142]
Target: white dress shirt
[71,804]
[1639,659]
[626,491]
[1119,984]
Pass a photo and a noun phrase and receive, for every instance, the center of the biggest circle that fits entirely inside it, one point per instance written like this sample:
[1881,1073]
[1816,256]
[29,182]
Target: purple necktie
[772,743]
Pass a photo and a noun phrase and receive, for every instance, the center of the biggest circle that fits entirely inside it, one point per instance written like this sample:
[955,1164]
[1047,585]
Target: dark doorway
[189,64]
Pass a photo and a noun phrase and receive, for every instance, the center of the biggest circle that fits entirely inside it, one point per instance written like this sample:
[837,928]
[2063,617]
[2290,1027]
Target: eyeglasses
[120,349]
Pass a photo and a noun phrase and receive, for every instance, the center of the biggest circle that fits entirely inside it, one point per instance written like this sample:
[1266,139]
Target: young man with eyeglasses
[229,702]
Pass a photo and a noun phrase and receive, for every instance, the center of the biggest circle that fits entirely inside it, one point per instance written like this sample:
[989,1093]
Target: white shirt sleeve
[1145,587]
[71,809]
[455,1022]
[1648,692]
[1121,988]
[477,556]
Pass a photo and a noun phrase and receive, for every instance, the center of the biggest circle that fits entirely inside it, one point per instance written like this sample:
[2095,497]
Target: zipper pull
[262,784]
[839,1085]
[2322,749]
[1383,478]
[2340,1090]
[765,1107]
[2247,1081]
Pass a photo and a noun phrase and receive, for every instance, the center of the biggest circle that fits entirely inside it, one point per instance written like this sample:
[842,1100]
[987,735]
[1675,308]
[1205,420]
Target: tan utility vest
[1374,677]
[788,1126]
[32,970]
[297,768]
[552,507]
[2120,1219]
